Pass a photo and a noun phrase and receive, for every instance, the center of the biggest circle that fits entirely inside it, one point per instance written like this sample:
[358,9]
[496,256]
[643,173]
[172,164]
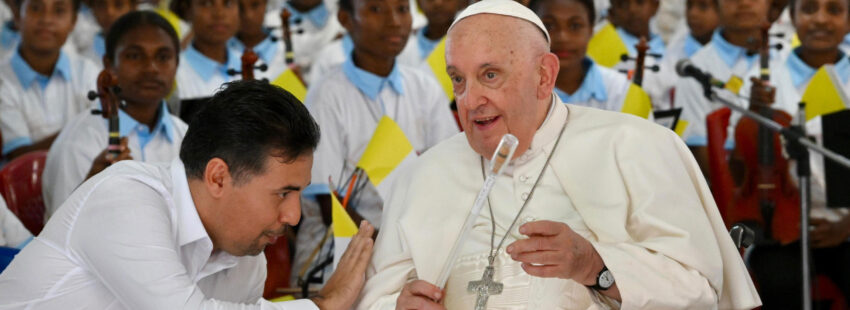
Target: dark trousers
[777,270]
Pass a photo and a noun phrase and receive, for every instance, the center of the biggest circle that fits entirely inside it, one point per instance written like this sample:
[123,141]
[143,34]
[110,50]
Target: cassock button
[524,196]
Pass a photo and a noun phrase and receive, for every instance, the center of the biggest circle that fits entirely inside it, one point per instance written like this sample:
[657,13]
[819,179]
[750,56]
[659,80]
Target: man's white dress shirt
[131,238]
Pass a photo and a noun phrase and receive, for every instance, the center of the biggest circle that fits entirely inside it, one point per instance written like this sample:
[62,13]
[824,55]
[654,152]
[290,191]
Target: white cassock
[628,186]
[86,136]
[722,60]
[347,104]
[791,79]
[336,52]
[602,88]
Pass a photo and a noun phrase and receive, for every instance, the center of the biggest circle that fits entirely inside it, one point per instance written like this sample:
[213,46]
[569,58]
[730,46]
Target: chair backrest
[722,188]
[20,185]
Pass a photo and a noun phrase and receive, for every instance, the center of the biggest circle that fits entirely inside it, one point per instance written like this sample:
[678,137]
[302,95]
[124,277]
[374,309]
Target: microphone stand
[797,146]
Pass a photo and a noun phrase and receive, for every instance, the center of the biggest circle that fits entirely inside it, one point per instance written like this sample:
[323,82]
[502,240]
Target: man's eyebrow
[290,188]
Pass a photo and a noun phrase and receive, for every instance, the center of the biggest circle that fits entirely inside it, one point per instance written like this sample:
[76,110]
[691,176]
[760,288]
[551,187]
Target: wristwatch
[604,280]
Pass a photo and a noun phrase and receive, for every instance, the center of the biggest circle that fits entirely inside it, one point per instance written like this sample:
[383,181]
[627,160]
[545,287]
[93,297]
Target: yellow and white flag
[344,229]
[824,94]
[637,102]
[606,47]
[437,62]
[291,83]
[385,155]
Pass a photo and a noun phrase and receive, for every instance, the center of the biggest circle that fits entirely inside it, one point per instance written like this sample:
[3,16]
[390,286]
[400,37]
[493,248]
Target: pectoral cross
[484,288]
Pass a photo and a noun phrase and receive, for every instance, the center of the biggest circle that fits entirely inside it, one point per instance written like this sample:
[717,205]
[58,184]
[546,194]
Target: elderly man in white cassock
[611,211]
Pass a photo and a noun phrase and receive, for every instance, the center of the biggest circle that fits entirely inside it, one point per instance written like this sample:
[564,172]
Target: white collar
[547,133]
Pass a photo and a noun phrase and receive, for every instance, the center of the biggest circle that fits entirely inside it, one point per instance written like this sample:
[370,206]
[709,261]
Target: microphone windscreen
[682,65]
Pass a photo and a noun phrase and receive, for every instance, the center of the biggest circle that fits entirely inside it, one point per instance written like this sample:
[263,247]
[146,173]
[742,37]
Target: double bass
[107,92]
[765,198]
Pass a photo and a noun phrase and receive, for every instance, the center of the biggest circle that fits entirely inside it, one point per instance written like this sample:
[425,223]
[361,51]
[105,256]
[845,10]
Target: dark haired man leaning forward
[187,235]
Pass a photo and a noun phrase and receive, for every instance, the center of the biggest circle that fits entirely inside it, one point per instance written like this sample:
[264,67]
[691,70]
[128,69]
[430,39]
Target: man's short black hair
[534,5]
[243,124]
[74,3]
[137,19]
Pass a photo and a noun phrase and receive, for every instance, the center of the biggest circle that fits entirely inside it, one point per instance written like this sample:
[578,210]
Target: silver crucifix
[484,288]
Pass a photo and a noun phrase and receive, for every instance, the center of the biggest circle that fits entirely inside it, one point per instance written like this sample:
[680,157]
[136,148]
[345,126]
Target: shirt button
[524,196]
[523,178]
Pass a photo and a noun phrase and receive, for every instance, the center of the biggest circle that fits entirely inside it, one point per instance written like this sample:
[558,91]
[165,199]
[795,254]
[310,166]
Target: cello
[765,198]
[107,92]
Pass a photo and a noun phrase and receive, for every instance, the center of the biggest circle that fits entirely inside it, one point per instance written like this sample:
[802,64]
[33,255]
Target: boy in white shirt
[42,85]
[142,53]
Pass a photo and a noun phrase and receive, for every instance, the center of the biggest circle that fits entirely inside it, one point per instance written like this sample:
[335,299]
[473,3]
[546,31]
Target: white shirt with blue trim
[9,39]
[602,88]
[722,60]
[198,76]
[682,46]
[310,31]
[13,234]
[271,52]
[652,83]
[95,50]
[86,136]
[337,52]
[347,104]
[85,29]
[33,106]
[131,238]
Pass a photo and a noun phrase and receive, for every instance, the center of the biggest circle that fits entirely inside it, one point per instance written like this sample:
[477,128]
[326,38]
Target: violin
[765,197]
[289,56]
[249,59]
[287,36]
[107,92]
[640,62]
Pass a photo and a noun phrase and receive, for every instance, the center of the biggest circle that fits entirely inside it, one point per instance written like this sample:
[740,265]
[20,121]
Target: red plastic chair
[20,185]
[722,187]
[278,267]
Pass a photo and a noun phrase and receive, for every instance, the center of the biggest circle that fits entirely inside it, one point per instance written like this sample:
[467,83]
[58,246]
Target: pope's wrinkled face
[500,81]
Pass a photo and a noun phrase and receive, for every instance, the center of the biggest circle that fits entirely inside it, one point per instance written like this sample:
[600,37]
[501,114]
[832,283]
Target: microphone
[685,68]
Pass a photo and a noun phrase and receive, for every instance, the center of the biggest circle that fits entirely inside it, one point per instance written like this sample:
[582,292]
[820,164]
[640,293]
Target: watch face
[606,279]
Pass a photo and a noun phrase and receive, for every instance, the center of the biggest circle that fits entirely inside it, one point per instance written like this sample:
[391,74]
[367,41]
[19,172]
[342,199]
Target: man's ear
[217,178]
[549,67]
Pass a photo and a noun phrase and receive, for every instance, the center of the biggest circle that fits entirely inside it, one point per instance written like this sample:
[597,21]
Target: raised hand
[343,288]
